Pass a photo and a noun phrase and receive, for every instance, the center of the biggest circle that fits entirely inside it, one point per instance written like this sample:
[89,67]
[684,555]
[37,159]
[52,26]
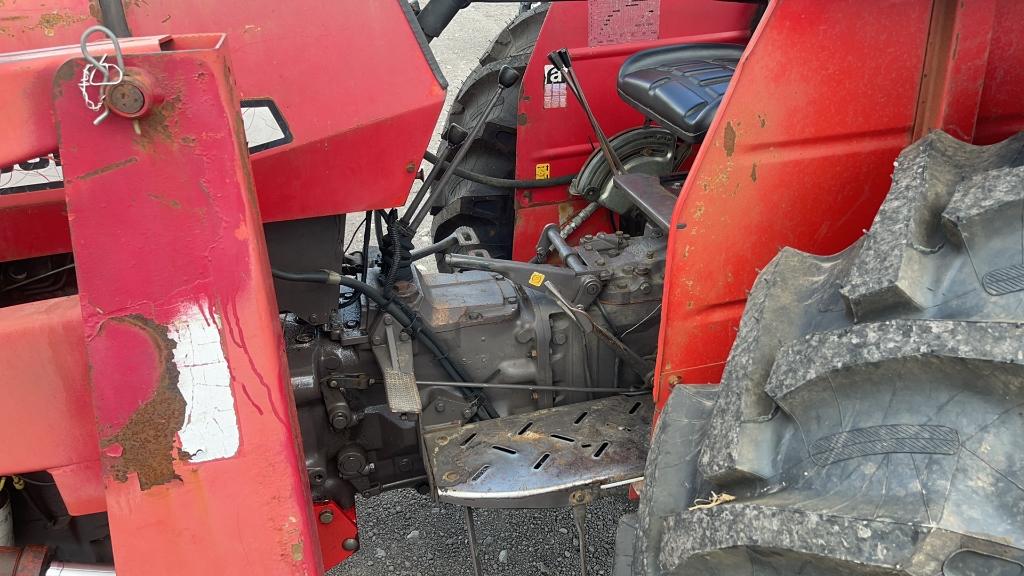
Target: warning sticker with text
[623,21]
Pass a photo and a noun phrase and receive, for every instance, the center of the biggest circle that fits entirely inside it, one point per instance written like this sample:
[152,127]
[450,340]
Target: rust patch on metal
[730,139]
[523,119]
[108,168]
[157,124]
[753,172]
[50,21]
[169,202]
[565,212]
[762,120]
[145,444]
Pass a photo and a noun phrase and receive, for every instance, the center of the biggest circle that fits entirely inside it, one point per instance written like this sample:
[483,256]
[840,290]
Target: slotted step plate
[537,460]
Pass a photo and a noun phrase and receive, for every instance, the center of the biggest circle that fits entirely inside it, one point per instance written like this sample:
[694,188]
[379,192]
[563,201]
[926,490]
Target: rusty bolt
[126,98]
[350,544]
[388,319]
[326,517]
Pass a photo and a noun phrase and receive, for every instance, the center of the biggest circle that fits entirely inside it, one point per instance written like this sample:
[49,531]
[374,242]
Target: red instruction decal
[623,21]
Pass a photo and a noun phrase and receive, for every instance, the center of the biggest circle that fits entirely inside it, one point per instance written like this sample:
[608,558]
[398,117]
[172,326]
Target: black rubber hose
[503,182]
[319,277]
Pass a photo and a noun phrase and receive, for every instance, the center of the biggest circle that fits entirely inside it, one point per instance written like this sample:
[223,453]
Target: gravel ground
[403,533]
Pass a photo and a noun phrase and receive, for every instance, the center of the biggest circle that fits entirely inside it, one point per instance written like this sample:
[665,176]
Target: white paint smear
[210,431]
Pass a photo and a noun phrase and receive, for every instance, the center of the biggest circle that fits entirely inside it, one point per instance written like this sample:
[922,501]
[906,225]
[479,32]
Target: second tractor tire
[870,419]
[486,209]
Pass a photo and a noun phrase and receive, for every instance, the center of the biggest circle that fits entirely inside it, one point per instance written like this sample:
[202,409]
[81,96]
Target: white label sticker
[210,430]
[554,88]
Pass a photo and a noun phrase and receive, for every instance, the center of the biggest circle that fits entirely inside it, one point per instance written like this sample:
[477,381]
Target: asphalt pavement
[403,533]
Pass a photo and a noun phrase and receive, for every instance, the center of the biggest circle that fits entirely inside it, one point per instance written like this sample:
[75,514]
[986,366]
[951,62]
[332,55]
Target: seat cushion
[681,86]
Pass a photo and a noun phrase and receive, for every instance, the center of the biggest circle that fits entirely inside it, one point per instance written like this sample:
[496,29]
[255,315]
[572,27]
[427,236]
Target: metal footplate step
[550,458]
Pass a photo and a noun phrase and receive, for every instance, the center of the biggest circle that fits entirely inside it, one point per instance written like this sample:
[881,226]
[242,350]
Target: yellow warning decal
[536,279]
[543,171]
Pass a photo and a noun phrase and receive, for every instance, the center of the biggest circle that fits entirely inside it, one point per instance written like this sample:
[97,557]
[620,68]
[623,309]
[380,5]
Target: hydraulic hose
[503,182]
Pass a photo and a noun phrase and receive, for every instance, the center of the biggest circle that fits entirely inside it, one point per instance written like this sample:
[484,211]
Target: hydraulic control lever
[507,78]
[451,140]
[563,63]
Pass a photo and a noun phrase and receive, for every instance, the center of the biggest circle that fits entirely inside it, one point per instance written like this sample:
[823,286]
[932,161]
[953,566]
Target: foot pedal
[543,459]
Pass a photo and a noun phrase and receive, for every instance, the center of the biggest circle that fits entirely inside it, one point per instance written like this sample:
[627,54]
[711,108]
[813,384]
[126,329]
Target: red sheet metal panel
[1000,111]
[350,79]
[801,155]
[46,412]
[27,118]
[196,420]
[561,136]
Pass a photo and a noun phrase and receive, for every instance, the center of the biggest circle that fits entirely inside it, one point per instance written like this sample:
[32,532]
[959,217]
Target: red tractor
[788,232]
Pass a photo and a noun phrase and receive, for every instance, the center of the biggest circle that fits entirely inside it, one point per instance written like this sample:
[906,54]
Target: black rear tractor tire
[486,209]
[870,419]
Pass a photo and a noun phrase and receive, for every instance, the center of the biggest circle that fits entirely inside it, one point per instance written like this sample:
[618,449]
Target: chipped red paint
[335,527]
[823,163]
[358,120]
[188,247]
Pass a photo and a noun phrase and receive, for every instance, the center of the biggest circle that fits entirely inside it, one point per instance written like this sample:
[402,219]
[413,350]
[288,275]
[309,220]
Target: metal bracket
[580,287]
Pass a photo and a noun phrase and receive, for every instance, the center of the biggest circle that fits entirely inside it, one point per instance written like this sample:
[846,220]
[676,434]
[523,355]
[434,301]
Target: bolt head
[350,544]
[388,320]
[326,517]
[404,337]
[304,338]
[127,99]
[439,406]
[340,420]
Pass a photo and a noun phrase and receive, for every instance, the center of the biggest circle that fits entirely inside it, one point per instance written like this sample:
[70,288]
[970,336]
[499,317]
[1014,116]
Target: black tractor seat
[679,87]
